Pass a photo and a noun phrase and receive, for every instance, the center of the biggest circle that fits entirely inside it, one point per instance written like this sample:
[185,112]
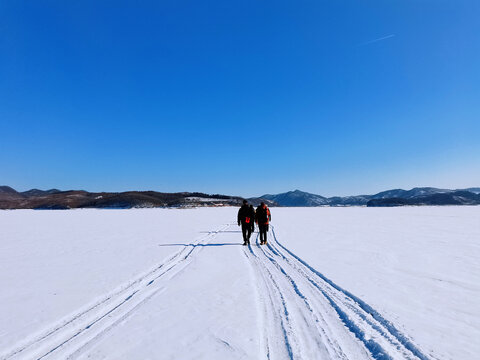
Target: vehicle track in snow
[305,315]
[72,335]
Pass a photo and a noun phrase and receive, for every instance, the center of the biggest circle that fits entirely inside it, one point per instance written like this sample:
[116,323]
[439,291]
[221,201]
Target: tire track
[324,339]
[291,331]
[133,294]
[280,316]
[318,337]
[347,301]
[320,319]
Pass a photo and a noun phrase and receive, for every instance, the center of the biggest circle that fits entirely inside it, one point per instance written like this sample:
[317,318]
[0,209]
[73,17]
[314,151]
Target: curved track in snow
[308,316]
[304,315]
[76,333]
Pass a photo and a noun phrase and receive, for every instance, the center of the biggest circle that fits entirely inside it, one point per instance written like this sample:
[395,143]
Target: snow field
[333,283]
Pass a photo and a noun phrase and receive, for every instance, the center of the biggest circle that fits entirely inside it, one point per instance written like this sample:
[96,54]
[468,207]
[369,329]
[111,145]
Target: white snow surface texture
[332,283]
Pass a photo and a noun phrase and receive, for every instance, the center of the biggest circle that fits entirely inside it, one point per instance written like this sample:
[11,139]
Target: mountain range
[71,199]
[395,197]
[56,199]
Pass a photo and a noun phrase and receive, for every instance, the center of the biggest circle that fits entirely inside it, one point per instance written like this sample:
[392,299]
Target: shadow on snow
[203,245]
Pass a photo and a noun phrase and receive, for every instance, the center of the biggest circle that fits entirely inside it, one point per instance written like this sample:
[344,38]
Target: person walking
[262,218]
[252,210]
[245,218]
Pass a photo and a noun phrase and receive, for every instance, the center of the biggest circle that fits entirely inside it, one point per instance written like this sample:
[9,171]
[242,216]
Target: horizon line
[246,197]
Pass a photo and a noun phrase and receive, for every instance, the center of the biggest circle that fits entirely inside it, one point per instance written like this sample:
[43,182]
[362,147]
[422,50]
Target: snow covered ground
[333,283]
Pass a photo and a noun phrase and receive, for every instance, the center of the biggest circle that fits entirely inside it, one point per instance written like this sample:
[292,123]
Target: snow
[419,266]
[196,198]
[351,283]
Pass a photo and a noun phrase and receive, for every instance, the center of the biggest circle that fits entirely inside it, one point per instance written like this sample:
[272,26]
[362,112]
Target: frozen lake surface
[333,283]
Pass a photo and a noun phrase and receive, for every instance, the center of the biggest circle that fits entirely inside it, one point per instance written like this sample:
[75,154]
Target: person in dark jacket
[245,218]
[253,213]
[262,218]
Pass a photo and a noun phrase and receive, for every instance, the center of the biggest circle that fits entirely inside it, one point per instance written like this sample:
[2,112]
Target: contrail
[376,40]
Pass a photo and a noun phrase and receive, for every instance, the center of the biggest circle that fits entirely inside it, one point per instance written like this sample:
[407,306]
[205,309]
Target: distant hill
[408,194]
[297,198]
[446,198]
[72,199]
[474,190]
[36,192]
[9,194]
[7,189]
[395,197]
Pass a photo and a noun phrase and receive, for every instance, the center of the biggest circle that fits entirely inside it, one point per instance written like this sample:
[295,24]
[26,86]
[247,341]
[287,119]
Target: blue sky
[246,98]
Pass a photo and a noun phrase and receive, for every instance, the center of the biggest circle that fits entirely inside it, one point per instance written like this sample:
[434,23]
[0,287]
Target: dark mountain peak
[295,192]
[389,193]
[297,198]
[298,192]
[8,190]
[475,190]
[414,192]
[459,197]
[9,194]
[53,191]
[427,191]
[302,193]
[37,192]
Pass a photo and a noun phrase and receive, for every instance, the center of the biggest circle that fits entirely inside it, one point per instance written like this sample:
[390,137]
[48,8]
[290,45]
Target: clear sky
[240,97]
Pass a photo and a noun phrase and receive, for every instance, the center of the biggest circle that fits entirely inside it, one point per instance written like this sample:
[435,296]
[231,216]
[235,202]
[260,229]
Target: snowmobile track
[307,316]
[304,315]
[91,323]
